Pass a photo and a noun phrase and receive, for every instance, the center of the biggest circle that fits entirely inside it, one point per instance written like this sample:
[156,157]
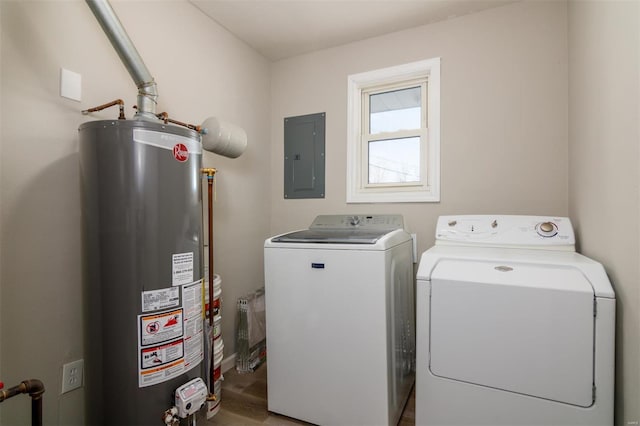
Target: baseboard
[228,363]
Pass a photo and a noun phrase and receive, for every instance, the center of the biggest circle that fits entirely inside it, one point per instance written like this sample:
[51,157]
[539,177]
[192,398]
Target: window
[394,134]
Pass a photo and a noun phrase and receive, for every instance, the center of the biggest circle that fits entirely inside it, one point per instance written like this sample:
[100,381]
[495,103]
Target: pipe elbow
[34,387]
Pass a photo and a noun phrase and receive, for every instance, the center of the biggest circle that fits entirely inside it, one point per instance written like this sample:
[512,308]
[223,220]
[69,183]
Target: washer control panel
[363,221]
[552,233]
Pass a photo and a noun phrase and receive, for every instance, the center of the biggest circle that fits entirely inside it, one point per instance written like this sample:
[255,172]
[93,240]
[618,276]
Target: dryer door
[518,327]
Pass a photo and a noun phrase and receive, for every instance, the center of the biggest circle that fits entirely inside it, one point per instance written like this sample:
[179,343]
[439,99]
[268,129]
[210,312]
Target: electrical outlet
[72,375]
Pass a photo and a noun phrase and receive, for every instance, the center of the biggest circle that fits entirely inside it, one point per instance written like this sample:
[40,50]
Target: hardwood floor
[244,402]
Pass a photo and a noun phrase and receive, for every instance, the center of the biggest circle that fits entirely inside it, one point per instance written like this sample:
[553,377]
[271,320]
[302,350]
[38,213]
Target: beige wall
[201,70]
[505,125]
[1,175]
[504,115]
[604,129]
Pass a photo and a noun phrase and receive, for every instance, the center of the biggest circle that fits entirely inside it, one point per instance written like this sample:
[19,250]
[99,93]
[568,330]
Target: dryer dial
[547,229]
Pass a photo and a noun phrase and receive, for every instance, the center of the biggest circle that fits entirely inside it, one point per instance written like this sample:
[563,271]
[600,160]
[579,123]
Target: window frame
[367,137]
[358,188]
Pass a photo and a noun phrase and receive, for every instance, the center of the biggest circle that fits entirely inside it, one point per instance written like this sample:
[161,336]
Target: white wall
[504,115]
[604,178]
[201,70]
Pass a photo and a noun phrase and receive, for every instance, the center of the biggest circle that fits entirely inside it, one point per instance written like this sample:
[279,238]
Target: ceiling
[280,29]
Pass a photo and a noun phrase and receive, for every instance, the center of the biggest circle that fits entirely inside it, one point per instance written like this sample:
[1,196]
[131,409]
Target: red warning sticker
[160,327]
[180,152]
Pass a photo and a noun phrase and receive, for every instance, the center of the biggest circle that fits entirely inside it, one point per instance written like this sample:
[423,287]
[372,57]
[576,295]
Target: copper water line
[107,105]
[164,116]
[210,174]
[35,389]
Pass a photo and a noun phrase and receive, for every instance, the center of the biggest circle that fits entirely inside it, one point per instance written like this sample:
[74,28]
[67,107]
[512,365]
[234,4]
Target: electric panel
[304,156]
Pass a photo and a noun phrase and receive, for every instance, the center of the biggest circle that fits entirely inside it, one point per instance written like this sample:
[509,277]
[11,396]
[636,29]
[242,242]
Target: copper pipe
[210,174]
[107,105]
[35,389]
[164,116]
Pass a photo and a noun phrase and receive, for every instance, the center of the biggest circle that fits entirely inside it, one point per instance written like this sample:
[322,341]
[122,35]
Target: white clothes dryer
[340,320]
[513,326]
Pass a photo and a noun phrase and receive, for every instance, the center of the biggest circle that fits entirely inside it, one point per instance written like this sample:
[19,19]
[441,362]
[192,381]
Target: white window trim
[366,138]
[357,192]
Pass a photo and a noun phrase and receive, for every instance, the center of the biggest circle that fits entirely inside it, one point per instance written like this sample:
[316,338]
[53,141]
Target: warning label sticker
[161,374]
[170,342]
[164,298]
[182,268]
[160,327]
[161,355]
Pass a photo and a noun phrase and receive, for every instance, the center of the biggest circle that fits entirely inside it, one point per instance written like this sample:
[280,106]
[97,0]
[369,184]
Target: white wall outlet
[72,375]
[70,85]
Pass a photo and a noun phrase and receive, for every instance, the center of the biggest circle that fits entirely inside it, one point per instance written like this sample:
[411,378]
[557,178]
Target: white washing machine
[340,320]
[513,326]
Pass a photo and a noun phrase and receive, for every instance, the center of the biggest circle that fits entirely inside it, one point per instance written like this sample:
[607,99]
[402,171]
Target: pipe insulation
[112,27]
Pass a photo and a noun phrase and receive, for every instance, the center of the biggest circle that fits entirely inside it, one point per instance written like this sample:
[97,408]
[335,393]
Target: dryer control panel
[543,232]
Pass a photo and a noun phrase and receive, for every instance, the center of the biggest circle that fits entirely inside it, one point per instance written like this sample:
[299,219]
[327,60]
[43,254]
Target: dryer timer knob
[547,229]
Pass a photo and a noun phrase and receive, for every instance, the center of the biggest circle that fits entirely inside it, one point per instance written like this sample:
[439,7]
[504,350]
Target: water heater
[143,267]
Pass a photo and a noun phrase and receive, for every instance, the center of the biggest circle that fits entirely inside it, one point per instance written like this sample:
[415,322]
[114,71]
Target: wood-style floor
[244,402]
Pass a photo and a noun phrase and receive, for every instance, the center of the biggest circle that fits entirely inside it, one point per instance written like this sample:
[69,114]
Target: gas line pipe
[210,173]
[35,389]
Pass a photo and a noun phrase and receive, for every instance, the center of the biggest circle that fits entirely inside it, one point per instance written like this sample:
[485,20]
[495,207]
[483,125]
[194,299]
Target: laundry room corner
[605,205]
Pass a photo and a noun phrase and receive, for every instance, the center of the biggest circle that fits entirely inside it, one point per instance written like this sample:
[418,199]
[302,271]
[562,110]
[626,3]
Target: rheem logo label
[180,152]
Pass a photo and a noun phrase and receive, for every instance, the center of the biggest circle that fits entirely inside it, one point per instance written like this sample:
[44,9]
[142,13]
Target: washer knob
[547,229]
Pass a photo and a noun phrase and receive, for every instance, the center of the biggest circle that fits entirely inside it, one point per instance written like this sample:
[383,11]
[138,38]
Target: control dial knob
[547,229]
[354,221]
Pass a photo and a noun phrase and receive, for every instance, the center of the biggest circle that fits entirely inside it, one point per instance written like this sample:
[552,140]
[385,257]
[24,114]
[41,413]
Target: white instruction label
[165,298]
[193,320]
[182,268]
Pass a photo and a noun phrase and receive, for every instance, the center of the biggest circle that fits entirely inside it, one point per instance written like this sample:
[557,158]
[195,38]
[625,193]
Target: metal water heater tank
[142,266]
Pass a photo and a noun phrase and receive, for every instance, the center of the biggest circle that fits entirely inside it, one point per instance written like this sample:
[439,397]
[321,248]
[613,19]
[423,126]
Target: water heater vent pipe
[111,25]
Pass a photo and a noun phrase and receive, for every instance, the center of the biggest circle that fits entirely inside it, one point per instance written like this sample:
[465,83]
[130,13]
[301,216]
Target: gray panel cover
[304,156]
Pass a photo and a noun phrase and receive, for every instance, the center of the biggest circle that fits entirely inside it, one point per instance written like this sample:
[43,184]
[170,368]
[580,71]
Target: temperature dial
[354,221]
[547,229]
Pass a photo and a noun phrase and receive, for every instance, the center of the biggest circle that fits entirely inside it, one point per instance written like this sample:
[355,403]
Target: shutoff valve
[190,397]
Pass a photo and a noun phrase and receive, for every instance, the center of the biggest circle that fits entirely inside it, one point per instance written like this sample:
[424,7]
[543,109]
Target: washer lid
[345,229]
[332,236]
[516,327]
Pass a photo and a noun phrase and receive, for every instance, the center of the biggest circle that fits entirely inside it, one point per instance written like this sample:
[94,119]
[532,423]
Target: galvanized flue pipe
[112,27]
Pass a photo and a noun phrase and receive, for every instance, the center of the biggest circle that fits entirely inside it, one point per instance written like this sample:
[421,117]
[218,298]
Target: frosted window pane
[394,160]
[395,110]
